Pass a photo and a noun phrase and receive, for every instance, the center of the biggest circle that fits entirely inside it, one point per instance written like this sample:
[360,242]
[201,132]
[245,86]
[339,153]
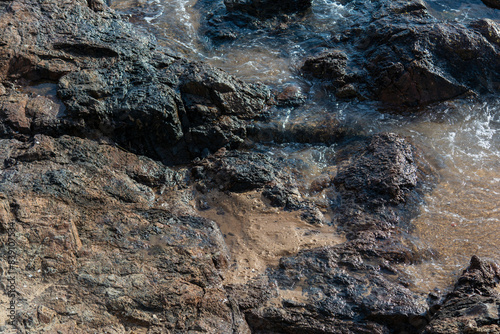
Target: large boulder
[405,56]
[113,82]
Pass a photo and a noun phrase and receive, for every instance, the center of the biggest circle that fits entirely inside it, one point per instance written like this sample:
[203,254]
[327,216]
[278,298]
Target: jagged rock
[382,173]
[336,292]
[329,65]
[146,101]
[352,287]
[411,58]
[489,29]
[474,304]
[237,171]
[95,245]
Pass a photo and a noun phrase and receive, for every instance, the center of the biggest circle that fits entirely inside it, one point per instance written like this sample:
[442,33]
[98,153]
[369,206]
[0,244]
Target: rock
[144,100]
[489,29]
[90,248]
[282,196]
[334,294]
[382,174]
[237,171]
[347,92]
[267,7]
[107,235]
[410,58]
[473,306]
[330,65]
[492,3]
[346,288]
[290,96]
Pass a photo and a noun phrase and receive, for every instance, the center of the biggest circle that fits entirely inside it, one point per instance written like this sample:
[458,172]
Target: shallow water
[461,216]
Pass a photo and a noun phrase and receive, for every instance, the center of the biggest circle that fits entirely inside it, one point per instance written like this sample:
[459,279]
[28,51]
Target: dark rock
[412,59]
[347,92]
[290,96]
[474,304]
[146,101]
[489,29]
[282,196]
[239,171]
[381,174]
[330,65]
[267,7]
[492,3]
[338,292]
[352,287]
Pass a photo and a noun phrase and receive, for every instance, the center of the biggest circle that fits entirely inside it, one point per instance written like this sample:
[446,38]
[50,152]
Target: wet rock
[238,171]
[89,248]
[474,304]
[290,96]
[412,59]
[353,287]
[379,189]
[347,92]
[492,3]
[382,174]
[329,65]
[282,196]
[336,292]
[489,29]
[267,7]
[146,101]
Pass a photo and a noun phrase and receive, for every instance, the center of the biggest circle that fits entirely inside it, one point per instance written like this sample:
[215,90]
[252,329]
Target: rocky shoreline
[111,149]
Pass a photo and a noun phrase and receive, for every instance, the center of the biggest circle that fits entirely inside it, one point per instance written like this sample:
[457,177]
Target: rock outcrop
[114,83]
[102,219]
[474,304]
[407,57]
[96,248]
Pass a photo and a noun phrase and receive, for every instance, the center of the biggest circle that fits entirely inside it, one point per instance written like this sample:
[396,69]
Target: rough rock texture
[352,287]
[336,290]
[107,238]
[97,249]
[474,304]
[330,65]
[407,57]
[146,101]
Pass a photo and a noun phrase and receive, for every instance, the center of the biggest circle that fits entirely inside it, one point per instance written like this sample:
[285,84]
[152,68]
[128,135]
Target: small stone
[45,315]
[347,92]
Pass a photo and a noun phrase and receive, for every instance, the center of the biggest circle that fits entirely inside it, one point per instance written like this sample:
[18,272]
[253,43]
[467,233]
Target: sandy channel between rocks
[258,235]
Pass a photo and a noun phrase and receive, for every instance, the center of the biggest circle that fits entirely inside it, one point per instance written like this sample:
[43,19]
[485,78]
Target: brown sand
[259,235]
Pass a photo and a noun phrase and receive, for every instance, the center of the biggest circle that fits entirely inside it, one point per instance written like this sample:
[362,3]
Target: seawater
[461,214]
